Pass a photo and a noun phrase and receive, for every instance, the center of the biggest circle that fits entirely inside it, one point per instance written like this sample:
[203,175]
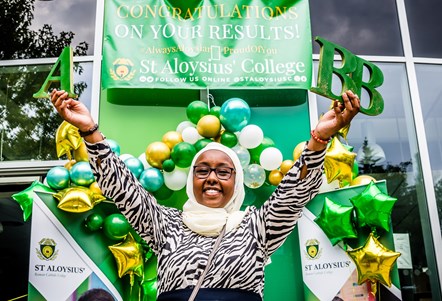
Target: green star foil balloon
[373,207]
[373,261]
[25,198]
[335,221]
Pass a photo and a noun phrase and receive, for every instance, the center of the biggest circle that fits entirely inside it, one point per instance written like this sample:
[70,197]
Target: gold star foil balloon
[67,139]
[338,164]
[129,258]
[77,199]
[373,261]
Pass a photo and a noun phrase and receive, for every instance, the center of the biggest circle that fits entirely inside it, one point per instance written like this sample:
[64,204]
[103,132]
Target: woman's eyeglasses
[221,172]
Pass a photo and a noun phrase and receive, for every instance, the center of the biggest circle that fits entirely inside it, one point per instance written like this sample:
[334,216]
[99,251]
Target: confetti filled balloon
[254,176]
[115,226]
[251,136]
[81,174]
[128,255]
[234,114]
[58,177]
[77,199]
[25,198]
[243,155]
[336,221]
[196,110]
[151,179]
[373,261]
[373,207]
[338,163]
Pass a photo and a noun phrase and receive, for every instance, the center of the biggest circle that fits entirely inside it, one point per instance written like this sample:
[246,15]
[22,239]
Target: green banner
[207,44]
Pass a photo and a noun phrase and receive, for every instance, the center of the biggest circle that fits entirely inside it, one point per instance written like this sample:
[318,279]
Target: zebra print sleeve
[278,216]
[119,184]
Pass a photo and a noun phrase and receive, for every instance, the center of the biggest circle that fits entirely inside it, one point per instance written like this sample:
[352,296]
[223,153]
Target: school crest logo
[312,249]
[47,249]
[123,69]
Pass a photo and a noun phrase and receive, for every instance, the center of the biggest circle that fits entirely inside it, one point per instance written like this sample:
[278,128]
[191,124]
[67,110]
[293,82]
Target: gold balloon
[156,153]
[77,199]
[128,255]
[80,154]
[362,180]
[69,164]
[67,139]
[285,166]
[275,177]
[344,131]
[298,150]
[373,261]
[94,188]
[172,138]
[208,126]
[338,163]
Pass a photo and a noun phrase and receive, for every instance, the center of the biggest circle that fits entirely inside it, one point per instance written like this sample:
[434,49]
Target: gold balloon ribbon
[67,139]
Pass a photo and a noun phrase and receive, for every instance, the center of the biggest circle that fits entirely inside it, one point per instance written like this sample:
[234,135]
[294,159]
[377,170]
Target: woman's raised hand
[73,111]
[339,116]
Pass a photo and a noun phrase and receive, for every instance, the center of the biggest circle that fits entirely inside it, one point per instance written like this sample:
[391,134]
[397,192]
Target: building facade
[402,145]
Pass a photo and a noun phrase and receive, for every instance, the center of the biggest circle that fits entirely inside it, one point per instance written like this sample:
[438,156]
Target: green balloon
[200,144]
[229,139]
[182,154]
[195,110]
[163,193]
[255,153]
[116,226]
[168,165]
[355,170]
[215,111]
[93,222]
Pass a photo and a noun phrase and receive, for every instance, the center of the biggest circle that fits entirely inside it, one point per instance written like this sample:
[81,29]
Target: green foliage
[28,125]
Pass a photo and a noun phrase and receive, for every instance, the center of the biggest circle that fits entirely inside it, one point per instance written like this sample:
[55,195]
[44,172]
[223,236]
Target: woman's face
[211,191]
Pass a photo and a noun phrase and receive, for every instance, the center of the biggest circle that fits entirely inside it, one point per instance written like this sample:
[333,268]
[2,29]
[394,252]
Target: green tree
[28,125]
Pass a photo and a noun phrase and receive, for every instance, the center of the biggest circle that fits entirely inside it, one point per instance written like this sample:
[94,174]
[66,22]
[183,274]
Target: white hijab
[210,221]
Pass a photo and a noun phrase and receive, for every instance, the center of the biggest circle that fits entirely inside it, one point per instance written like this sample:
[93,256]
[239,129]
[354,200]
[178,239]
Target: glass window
[425,27]
[37,29]
[28,125]
[393,156]
[430,90]
[363,27]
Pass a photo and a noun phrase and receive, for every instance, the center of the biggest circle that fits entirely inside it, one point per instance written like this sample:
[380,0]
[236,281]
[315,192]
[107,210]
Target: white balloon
[270,158]
[142,158]
[125,156]
[190,135]
[251,136]
[183,125]
[176,179]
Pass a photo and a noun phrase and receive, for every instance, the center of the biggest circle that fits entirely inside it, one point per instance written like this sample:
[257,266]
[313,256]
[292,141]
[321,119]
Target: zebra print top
[182,254]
